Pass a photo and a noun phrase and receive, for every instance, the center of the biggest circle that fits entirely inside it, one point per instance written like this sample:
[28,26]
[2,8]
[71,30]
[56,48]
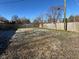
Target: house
[2,22]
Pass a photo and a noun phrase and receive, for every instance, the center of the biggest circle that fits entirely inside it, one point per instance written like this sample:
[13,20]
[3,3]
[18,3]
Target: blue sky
[34,8]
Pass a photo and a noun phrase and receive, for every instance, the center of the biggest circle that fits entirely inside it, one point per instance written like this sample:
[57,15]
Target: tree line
[73,18]
[14,23]
[39,20]
[15,20]
[54,15]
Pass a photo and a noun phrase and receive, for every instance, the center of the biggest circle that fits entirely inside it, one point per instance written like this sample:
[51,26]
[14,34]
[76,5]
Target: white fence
[71,26]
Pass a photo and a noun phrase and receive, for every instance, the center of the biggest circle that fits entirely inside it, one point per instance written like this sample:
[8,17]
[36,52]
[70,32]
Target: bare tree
[49,18]
[55,14]
[14,18]
[38,21]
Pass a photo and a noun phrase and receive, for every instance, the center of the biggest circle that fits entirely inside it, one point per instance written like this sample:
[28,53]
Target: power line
[11,2]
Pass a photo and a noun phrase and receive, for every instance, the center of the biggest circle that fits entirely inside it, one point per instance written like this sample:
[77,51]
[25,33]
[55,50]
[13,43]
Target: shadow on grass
[5,37]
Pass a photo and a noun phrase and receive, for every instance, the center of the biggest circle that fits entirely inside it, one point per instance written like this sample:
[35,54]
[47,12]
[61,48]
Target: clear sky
[33,8]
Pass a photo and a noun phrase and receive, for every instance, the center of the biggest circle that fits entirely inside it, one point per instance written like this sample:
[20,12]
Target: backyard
[34,43]
[39,29]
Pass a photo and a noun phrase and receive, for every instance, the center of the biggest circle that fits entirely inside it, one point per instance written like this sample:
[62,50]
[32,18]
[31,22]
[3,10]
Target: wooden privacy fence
[71,26]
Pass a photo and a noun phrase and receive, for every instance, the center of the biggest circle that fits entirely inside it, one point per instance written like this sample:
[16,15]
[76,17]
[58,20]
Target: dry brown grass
[43,45]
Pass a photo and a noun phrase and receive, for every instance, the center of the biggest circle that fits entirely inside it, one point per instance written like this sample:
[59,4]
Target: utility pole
[65,19]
